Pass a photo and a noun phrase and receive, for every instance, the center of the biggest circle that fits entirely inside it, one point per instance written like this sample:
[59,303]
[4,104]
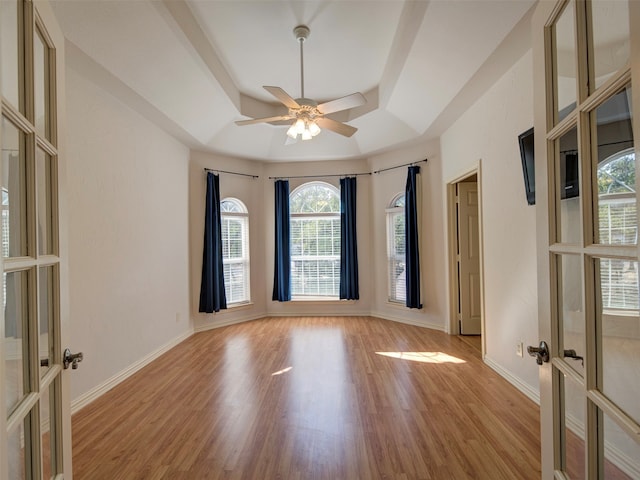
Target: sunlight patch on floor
[280,372]
[423,357]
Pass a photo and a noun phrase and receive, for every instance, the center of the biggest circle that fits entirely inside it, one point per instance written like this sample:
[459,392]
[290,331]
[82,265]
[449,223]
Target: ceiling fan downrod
[302,33]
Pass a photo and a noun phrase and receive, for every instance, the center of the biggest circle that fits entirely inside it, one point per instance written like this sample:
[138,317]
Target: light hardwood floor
[311,398]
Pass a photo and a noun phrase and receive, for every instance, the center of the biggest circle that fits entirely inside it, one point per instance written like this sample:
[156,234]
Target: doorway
[465,260]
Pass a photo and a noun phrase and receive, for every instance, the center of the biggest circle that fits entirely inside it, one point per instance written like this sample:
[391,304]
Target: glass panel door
[31,422]
[590,411]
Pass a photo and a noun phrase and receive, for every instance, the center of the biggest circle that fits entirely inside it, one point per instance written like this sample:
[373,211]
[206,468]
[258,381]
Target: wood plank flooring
[311,398]
[474,340]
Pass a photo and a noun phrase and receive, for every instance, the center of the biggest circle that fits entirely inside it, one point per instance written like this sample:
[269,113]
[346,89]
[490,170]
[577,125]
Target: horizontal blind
[315,255]
[618,278]
[235,257]
[396,255]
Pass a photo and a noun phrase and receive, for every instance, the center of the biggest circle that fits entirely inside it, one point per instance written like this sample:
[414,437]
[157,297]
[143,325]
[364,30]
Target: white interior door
[469,310]
[35,420]
[586,97]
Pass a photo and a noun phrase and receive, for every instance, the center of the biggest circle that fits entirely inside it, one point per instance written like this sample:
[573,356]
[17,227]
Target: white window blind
[618,278]
[235,250]
[396,250]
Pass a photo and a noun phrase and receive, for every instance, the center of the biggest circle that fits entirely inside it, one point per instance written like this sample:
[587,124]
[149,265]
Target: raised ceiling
[195,67]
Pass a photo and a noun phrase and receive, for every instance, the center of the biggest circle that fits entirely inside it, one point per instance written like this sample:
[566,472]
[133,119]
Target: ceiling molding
[196,40]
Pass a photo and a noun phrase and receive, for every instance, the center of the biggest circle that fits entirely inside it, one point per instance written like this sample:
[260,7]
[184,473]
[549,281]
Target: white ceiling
[194,67]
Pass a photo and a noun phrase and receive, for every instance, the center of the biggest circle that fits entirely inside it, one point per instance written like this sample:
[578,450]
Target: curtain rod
[320,176]
[400,166]
[231,173]
[574,150]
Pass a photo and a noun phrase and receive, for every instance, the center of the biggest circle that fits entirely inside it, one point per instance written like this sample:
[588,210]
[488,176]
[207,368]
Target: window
[235,250]
[315,240]
[618,225]
[396,249]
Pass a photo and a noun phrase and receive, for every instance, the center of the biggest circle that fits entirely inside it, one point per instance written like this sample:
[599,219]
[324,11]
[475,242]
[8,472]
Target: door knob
[72,359]
[541,353]
[572,354]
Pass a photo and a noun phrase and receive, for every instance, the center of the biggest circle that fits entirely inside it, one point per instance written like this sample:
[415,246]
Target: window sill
[320,300]
[621,313]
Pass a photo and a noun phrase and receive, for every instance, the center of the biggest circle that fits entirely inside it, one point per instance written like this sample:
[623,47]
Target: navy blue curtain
[282,261]
[412,268]
[349,289]
[212,294]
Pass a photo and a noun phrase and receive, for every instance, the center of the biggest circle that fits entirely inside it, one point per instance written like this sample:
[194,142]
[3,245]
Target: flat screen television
[525,140]
[569,176]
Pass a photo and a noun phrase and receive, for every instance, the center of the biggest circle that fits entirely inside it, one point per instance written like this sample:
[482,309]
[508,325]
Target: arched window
[618,225]
[315,240]
[396,250]
[235,250]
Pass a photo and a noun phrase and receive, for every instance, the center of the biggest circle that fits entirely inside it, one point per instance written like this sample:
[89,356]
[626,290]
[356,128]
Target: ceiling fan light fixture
[292,132]
[314,129]
[300,126]
[306,135]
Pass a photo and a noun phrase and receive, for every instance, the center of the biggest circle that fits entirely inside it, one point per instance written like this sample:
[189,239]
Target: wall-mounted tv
[569,176]
[525,140]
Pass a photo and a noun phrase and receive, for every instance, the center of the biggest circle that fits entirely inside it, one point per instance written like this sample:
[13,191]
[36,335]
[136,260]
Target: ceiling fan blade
[335,126]
[264,120]
[343,103]
[283,96]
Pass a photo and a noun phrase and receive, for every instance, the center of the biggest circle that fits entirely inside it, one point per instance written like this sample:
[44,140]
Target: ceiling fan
[309,117]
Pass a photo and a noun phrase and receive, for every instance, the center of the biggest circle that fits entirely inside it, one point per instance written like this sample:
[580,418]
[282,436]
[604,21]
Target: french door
[587,102]
[35,417]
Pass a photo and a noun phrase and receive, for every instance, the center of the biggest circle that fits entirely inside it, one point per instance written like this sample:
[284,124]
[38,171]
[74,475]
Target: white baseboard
[630,466]
[99,390]
[525,388]
[386,316]
[226,323]
[624,462]
[309,314]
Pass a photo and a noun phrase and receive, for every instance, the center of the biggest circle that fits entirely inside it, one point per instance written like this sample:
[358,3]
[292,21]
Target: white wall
[387,185]
[373,194]
[363,191]
[257,195]
[128,234]
[488,131]
[251,192]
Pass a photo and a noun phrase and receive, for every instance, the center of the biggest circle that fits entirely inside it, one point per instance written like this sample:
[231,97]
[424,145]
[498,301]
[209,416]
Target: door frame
[453,327]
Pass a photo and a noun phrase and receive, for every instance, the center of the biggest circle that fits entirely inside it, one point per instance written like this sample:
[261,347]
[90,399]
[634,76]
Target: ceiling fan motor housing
[301,32]
[308,109]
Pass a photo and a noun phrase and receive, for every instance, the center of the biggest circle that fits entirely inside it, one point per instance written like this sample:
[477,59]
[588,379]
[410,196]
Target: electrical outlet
[519,348]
